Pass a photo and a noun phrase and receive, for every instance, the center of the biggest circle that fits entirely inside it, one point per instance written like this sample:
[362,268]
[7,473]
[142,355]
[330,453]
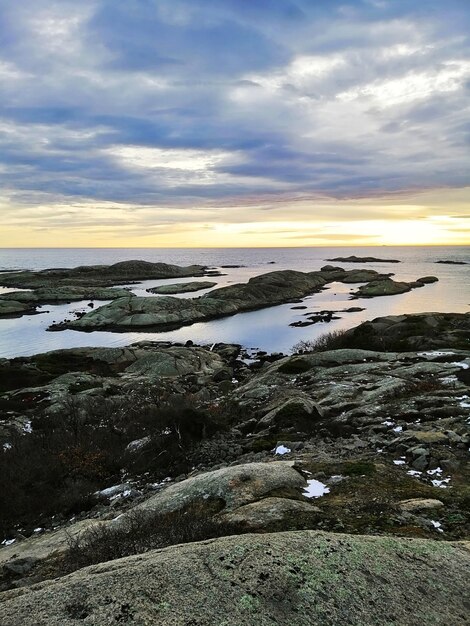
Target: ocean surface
[266,329]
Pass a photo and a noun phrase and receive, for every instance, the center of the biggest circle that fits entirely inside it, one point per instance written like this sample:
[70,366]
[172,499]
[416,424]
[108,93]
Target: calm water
[267,329]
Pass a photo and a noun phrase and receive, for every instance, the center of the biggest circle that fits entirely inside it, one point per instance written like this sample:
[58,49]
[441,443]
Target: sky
[205,123]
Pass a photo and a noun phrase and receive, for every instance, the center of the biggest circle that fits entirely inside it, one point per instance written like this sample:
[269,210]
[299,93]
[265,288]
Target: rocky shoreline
[357,442]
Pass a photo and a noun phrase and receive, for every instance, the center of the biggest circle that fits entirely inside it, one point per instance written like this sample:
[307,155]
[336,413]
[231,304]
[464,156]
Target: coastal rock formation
[418,331]
[296,578]
[46,295]
[98,275]
[361,259]
[386,287]
[10,307]
[261,291]
[181,287]
[166,312]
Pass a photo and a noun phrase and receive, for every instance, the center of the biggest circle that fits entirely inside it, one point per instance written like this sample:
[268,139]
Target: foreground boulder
[234,487]
[296,578]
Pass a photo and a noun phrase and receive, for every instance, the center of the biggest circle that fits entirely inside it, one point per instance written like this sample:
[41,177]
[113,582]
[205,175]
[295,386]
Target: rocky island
[273,288]
[355,447]
[362,259]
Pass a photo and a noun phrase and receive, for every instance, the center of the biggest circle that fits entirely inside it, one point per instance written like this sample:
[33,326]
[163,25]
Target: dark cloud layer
[183,101]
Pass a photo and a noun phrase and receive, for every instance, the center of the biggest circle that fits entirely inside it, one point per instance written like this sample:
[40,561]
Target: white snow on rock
[281,450]
[435,353]
[441,483]
[315,489]
[462,364]
[437,526]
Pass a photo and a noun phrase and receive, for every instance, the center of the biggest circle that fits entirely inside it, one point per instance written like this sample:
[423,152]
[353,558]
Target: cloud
[196,103]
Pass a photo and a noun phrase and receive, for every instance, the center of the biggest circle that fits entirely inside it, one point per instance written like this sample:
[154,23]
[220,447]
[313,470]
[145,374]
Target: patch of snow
[414,473]
[27,428]
[397,429]
[441,483]
[315,489]
[438,470]
[465,405]
[399,462]
[8,542]
[449,380]
[111,492]
[379,450]
[7,446]
[38,530]
[388,423]
[435,353]
[462,364]
[281,450]
[437,525]
[124,494]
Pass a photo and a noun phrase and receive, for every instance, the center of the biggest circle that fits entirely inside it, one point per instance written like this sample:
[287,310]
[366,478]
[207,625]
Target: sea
[266,329]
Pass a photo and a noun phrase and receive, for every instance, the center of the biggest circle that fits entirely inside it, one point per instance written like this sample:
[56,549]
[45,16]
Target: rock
[419,331]
[234,486]
[300,413]
[417,505]
[420,463]
[43,547]
[175,361]
[268,513]
[115,490]
[167,312]
[294,578]
[452,262]
[362,276]
[20,567]
[386,287]
[427,437]
[181,287]
[14,308]
[428,279]
[98,275]
[51,295]
[362,259]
